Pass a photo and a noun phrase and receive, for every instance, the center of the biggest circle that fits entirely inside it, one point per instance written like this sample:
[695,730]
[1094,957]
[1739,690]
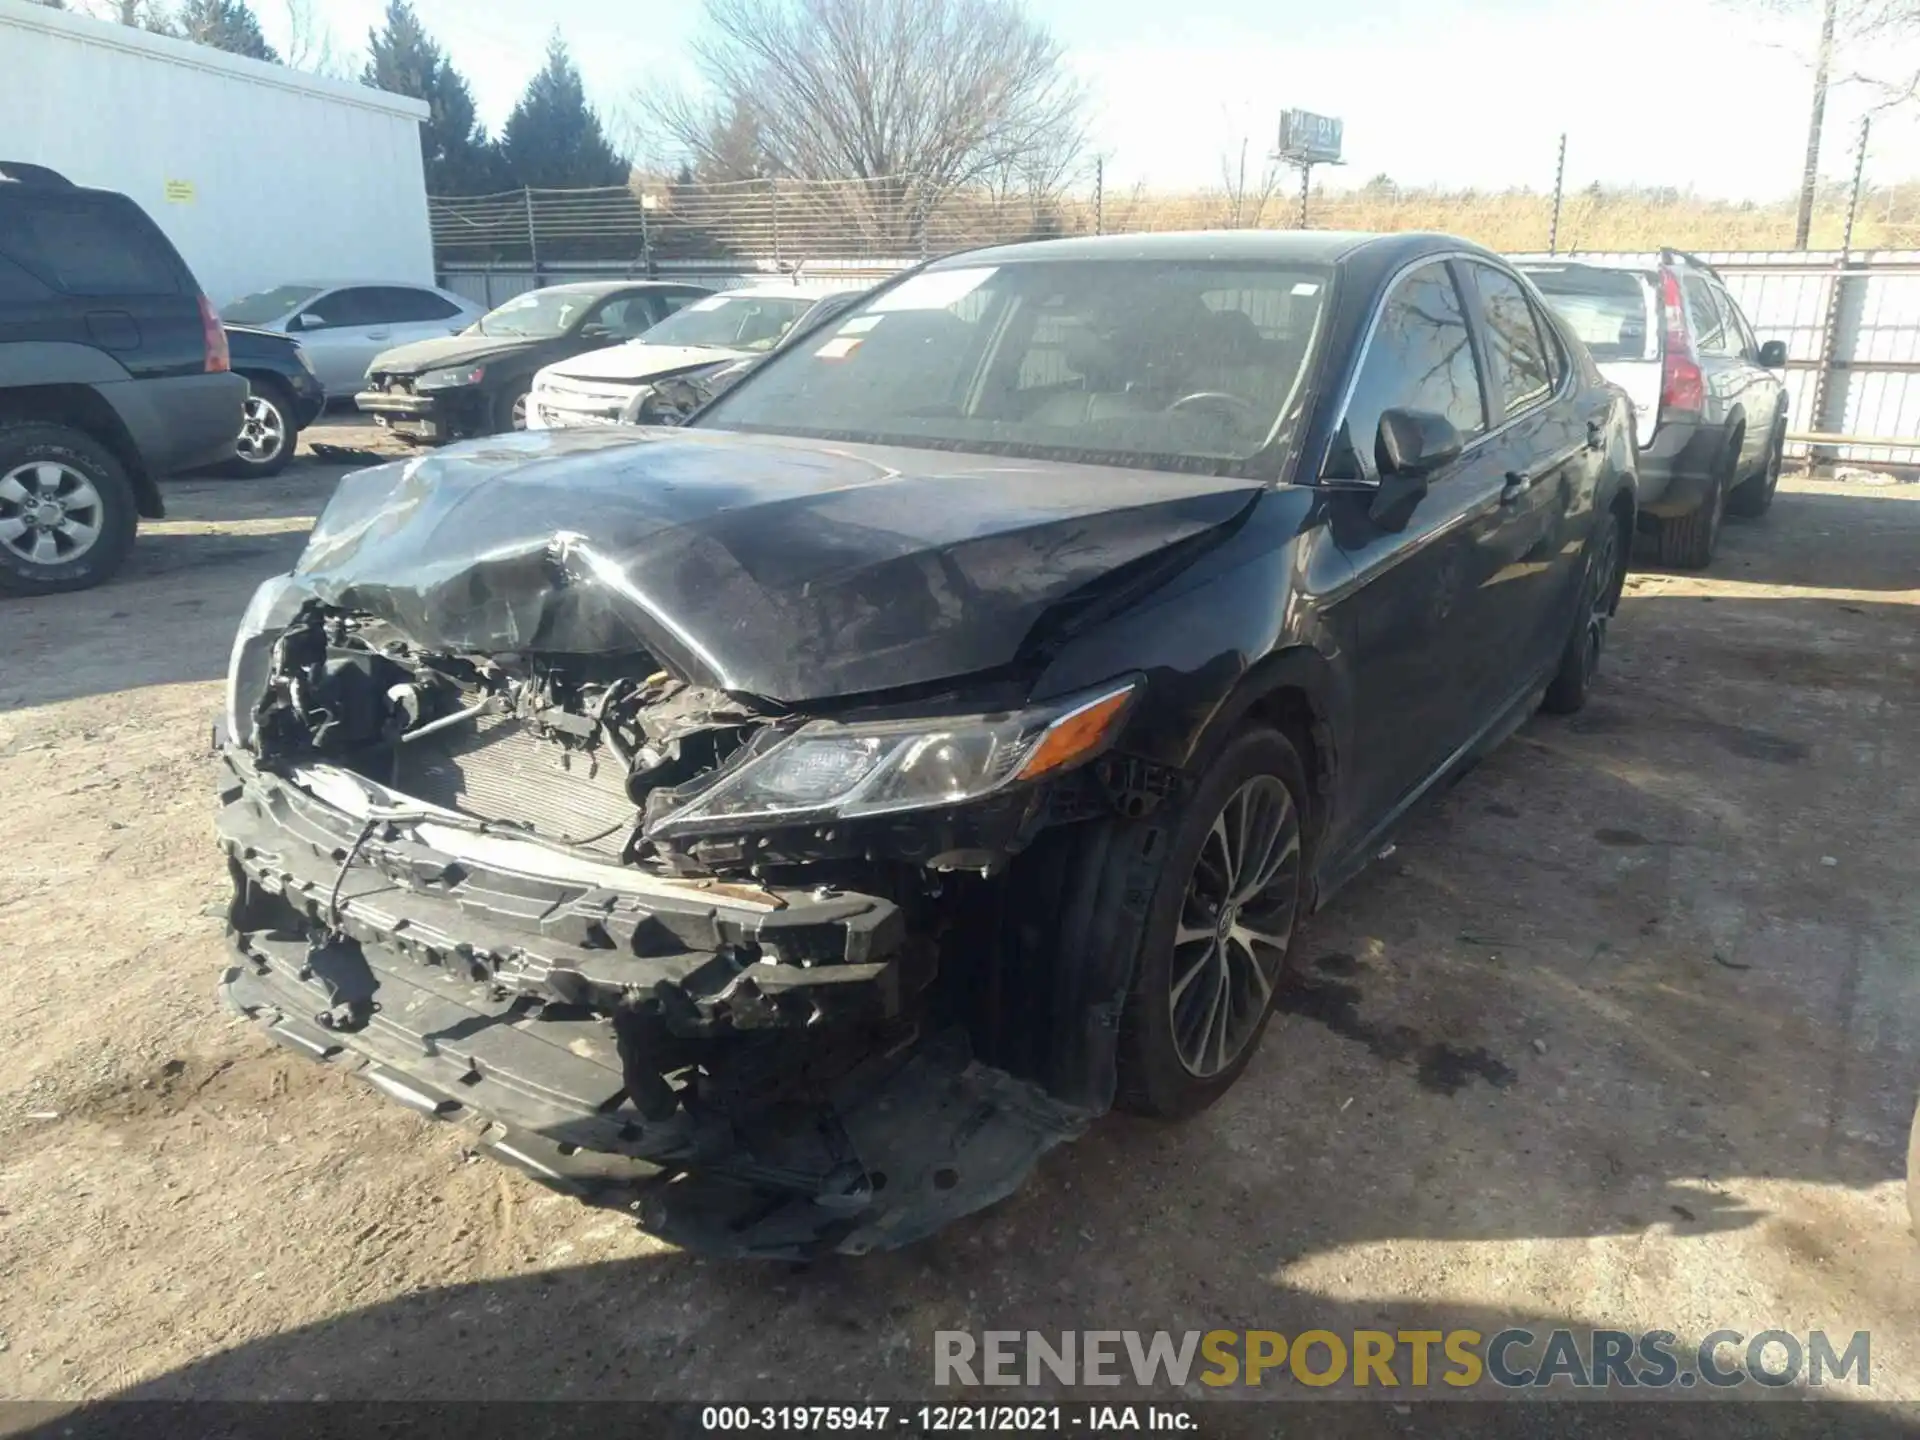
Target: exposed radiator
[499,768]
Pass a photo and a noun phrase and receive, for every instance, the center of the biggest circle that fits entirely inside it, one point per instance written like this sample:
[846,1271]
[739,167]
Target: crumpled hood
[636,360]
[442,351]
[790,569]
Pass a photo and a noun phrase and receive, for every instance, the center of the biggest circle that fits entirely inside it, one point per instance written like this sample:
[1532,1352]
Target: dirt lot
[1626,1033]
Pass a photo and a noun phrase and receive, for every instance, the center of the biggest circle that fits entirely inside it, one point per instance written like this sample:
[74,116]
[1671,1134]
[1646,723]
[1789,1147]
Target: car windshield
[731,322]
[1610,310]
[265,305]
[538,314]
[1160,364]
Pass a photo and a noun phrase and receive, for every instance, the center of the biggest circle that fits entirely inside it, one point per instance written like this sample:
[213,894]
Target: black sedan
[832,804]
[284,397]
[476,382]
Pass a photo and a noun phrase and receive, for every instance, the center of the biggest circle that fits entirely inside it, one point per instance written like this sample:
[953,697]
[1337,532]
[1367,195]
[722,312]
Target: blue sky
[1690,93]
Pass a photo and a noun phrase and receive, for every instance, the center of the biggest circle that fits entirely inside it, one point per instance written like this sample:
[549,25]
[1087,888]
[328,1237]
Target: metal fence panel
[1851,323]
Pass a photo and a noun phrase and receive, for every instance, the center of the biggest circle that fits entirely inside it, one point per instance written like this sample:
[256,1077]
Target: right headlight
[827,770]
[268,613]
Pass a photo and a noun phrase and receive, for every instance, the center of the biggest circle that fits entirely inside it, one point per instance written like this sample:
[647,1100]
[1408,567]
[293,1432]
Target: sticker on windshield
[860,324]
[712,302]
[935,290]
[839,347]
[1306,287]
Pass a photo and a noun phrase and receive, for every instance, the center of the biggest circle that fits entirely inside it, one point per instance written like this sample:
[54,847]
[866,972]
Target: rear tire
[268,434]
[510,410]
[1688,542]
[1913,1175]
[67,512]
[1599,598]
[1754,497]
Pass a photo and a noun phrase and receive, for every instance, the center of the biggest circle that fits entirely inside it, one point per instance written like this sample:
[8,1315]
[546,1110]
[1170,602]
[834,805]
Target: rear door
[1413,613]
[341,331]
[92,269]
[409,313]
[1759,391]
[1531,544]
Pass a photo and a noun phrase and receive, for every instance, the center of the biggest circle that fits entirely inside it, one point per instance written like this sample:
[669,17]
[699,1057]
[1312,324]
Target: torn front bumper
[480,976]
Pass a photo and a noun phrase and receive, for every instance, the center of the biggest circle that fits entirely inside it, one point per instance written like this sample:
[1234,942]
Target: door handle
[378,334]
[1519,482]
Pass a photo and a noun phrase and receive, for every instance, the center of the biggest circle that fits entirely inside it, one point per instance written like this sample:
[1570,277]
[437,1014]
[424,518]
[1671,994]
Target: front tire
[67,512]
[1754,497]
[510,410]
[1218,938]
[1913,1175]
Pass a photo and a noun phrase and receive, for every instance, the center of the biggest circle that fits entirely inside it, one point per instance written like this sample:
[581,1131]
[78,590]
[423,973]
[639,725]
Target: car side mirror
[595,332]
[1407,448]
[297,323]
[1773,354]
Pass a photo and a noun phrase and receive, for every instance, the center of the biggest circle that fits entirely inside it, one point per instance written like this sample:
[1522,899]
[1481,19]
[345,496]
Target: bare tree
[1247,198]
[916,97]
[310,44]
[1841,39]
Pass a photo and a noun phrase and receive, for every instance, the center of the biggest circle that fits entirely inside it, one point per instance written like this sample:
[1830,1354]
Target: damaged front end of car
[510,838]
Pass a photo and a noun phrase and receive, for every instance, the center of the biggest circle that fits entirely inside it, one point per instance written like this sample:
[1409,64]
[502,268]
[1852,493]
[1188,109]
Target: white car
[603,386]
[342,325]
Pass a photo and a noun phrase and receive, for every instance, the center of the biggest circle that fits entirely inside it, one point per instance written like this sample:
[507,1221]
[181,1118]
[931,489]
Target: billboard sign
[1309,139]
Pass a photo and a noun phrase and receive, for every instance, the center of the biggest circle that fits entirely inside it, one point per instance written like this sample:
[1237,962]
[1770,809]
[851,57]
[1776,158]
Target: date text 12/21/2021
[948,1419]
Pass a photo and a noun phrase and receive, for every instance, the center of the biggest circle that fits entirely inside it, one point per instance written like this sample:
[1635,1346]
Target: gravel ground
[1624,1034]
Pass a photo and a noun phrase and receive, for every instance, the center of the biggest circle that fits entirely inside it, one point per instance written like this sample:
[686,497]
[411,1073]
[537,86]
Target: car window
[1704,318]
[625,317]
[1740,339]
[1420,358]
[344,308]
[731,322]
[88,245]
[1517,353]
[406,305]
[263,306]
[672,300]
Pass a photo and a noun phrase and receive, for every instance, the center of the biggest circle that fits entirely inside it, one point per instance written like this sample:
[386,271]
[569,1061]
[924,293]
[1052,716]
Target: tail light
[215,335]
[1681,385]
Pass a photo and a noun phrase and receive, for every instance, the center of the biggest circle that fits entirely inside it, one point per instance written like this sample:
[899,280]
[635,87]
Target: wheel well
[81,407]
[264,377]
[1291,710]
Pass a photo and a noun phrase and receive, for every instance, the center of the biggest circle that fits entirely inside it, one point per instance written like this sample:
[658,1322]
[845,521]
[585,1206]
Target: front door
[1412,601]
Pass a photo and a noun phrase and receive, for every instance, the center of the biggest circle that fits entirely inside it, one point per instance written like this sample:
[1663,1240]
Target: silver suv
[1710,410]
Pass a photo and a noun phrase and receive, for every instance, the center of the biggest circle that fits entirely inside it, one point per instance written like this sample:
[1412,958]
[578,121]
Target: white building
[258,174]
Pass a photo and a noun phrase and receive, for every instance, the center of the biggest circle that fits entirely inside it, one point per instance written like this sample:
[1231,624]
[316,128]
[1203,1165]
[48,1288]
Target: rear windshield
[87,245]
[263,306]
[1610,310]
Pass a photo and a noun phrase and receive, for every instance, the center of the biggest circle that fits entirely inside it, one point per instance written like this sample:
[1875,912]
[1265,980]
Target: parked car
[669,400]
[477,384]
[343,325]
[599,387]
[113,375]
[834,803]
[1710,408]
[284,397]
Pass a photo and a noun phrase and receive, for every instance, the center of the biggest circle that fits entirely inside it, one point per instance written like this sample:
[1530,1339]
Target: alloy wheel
[519,412]
[50,513]
[1236,920]
[1606,562]
[263,432]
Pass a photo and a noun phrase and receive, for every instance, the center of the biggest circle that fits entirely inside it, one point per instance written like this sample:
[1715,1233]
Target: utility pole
[1099,195]
[1859,174]
[1306,185]
[1810,175]
[1559,180]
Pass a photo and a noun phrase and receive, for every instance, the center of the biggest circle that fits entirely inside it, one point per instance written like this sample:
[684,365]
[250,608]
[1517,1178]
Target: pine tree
[553,139]
[403,59]
[225,25]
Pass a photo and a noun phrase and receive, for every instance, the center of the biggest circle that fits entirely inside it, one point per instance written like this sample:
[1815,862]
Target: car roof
[1269,247]
[606,287]
[781,292]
